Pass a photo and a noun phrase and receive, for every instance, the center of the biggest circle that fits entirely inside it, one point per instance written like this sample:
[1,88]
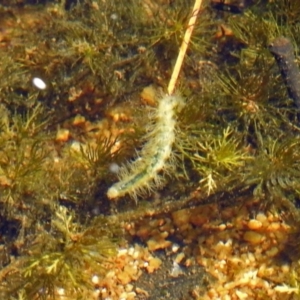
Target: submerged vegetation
[60,147]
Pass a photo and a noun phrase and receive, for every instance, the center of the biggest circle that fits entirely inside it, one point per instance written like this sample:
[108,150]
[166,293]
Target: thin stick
[183,48]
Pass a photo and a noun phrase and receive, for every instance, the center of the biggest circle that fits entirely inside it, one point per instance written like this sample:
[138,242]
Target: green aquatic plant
[96,156]
[62,259]
[170,24]
[247,27]
[251,98]
[287,13]
[275,169]
[231,132]
[88,166]
[217,159]
[24,155]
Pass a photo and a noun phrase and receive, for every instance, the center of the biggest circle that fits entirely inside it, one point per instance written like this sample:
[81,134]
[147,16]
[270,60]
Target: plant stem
[184,46]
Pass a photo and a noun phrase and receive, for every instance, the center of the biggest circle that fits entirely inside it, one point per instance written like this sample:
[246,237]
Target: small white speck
[61,291]
[39,83]
[75,145]
[95,279]
[56,159]
[114,168]
[114,16]
[175,248]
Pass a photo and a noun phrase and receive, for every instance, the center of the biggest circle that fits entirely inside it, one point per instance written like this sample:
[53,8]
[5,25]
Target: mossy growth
[37,192]
[247,95]
[275,169]
[217,159]
[64,258]
[24,152]
[97,55]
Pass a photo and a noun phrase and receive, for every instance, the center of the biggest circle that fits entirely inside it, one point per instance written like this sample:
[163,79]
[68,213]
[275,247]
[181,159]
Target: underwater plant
[275,168]
[230,134]
[24,151]
[63,259]
[217,159]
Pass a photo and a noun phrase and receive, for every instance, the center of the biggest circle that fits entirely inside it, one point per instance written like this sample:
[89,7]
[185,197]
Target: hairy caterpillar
[143,172]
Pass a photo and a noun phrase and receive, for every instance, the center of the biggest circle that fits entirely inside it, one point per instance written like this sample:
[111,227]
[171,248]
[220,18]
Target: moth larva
[143,172]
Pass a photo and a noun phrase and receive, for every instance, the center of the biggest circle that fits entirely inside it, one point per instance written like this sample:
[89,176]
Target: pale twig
[184,46]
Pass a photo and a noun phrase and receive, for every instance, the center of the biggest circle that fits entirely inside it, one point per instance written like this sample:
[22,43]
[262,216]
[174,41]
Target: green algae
[238,131]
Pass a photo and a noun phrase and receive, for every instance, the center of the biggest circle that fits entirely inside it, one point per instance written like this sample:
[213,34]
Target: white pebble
[39,83]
